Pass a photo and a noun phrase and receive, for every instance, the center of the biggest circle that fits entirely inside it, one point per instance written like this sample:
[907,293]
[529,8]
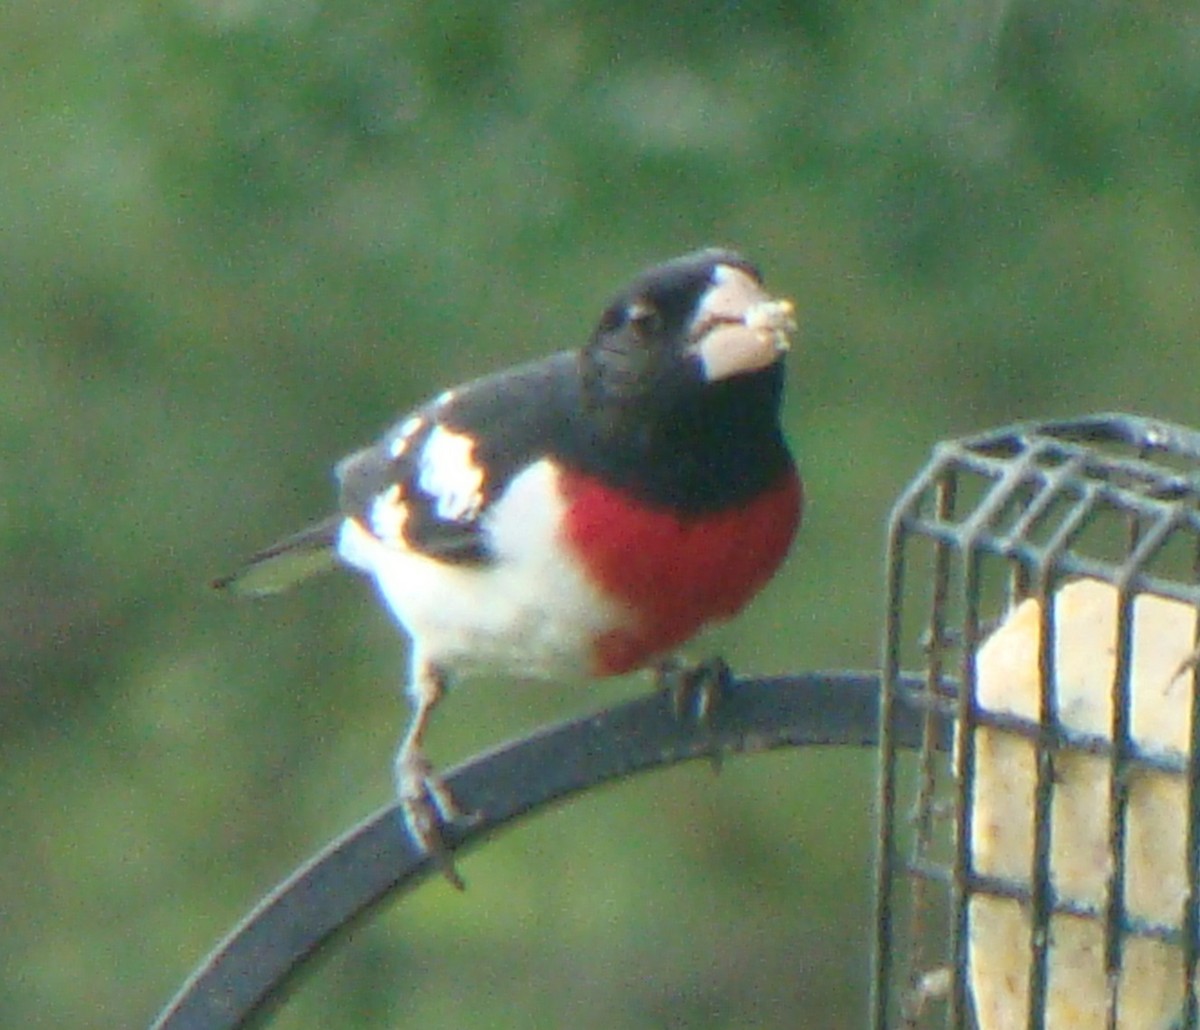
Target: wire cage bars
[1043,869]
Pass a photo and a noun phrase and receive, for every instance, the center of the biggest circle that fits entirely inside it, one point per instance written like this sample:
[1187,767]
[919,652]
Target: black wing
[432,477]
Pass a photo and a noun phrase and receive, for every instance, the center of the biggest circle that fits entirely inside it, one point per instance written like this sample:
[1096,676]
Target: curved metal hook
[248,973]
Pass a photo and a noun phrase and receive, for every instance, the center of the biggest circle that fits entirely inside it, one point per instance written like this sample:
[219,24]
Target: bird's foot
[427,806]
[695,691]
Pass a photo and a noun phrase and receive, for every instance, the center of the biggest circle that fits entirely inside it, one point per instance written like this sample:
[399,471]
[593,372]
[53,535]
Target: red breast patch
[675,573]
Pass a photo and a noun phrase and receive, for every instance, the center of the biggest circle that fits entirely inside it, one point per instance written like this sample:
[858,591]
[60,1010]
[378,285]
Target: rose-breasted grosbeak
[586,513]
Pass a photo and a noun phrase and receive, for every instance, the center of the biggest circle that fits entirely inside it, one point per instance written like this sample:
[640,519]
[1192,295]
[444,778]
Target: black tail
[286,562]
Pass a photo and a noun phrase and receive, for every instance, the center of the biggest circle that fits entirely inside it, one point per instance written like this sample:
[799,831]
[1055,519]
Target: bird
[585,514]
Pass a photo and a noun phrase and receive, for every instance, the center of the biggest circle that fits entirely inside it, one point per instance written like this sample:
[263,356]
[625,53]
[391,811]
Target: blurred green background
[241,236]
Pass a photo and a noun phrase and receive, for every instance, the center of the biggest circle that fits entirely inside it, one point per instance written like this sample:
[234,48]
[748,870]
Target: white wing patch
[399,443]
[450,475]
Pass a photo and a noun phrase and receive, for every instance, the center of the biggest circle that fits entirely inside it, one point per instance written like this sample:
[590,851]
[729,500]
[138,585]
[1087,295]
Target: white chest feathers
[530,612]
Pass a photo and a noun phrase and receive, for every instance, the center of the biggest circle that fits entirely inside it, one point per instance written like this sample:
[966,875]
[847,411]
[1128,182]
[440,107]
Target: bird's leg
[695,690]
[425,801]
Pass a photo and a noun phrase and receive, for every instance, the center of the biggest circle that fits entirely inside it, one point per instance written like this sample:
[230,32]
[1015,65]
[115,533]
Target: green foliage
[241,235]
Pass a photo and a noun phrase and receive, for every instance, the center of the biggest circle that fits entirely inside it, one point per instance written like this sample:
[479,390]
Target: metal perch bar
[249,973]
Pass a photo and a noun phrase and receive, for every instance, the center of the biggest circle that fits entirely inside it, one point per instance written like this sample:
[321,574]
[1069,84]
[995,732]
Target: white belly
[531,613]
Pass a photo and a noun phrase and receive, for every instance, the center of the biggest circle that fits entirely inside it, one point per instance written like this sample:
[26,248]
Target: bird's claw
[427,806]
[695,691]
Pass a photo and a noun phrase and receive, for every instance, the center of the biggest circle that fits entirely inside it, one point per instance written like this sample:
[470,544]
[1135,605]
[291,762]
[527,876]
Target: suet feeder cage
[1038,863]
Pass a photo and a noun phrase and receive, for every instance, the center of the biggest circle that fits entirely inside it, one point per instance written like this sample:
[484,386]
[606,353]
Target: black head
[680,331]
[682,382]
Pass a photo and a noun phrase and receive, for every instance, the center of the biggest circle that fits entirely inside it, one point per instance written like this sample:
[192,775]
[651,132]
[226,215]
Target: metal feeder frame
[991,520]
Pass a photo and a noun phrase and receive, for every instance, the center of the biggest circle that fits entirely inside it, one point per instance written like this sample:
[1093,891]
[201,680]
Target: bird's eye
[644,316]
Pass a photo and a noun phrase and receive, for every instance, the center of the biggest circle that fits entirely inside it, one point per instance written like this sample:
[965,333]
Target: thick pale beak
[738,328]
